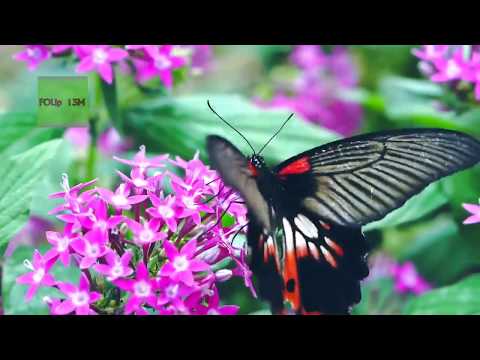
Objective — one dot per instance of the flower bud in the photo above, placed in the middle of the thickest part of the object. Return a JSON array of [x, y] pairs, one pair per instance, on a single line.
[[223, 275], [210, 255]]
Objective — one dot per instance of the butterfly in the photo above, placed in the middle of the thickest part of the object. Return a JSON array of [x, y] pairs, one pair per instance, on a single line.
[[306, 214]]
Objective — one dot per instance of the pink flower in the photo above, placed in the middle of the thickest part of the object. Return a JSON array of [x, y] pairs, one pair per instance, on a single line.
[[121, 199], [116, 266], [172, 293], [61, 243], [454, 68], [141, 289], [308, 56], [100, 59], [79, 137], [214, 308], [182, 265], [91, 246], [159, 62], [142, 162], [474, 210], [165, 209], [39, 275], [33, 55], [139, 180], [407, 279], [431, 52], [146, 233], [78, 298], [110, 142]]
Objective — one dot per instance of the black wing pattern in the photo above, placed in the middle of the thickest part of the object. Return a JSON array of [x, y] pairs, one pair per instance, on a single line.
[[233, 168], [358, 180]]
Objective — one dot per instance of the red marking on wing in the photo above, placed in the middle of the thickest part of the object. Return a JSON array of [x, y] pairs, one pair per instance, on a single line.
[[299, 166], [304, 312], [291, 272], [325, 225], [337, 248], [252, 169]]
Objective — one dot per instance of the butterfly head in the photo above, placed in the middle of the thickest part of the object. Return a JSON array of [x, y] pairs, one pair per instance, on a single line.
[[256, 163]]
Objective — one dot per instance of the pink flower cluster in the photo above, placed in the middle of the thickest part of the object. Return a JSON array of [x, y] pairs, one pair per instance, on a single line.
[[315, 92], [161, 253], [150, 61], [451, 64], [405, 276]]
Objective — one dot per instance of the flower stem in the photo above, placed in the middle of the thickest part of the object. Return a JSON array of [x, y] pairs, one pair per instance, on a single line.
[[92, 150]]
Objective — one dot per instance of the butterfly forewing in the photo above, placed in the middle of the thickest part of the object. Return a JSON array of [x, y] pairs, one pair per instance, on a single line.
[[361, 179], [233, 168]]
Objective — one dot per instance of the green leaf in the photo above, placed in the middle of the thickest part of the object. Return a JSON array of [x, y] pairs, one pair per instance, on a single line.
[[180, 125], [13, 294], [14, 126], [459, 299], [417, 207], [18, 177], [411, 102]]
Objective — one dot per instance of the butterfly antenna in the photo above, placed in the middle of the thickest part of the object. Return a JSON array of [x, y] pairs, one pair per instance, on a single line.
[[225, 121], [281, 127]]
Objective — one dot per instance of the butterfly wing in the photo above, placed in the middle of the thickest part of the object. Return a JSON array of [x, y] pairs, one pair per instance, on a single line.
[[358, 180], [233, 168]]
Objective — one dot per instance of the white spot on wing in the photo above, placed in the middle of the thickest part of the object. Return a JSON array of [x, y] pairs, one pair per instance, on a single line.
[[301, 244], [314, 250], [288, 235], [306, 226]]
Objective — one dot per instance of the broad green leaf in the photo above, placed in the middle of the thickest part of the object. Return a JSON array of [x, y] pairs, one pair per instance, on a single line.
[[459, 299], [411, 102], [14, 126], [180, 125], [14, 294], [19, 176], [417, 207], [442, 249]]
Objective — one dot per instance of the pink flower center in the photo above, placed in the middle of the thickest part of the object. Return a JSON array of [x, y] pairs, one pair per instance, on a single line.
[[33, 53], [165, 211], [117, 270], [92, 250], [38, 275], [119, 200], [453, 70], [181, 263], [142, 288], [172, 291], [162, 62], [80, 298], [409, 278], [101, 225], [63, 243], [139, 182], [146, 235], [189, 203], [99, 56]]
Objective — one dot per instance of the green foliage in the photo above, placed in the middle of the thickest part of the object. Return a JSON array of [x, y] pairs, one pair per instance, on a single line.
[[462, 298], [180, 125], [18, 177]]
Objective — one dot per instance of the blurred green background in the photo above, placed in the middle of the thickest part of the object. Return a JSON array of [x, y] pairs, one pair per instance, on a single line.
[[390, 90]]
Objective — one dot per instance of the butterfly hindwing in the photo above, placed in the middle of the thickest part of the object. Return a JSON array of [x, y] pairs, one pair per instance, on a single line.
[[323, 265], [358, 180]]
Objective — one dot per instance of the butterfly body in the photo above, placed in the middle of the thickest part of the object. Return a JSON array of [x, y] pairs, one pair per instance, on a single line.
[[305, 214]]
